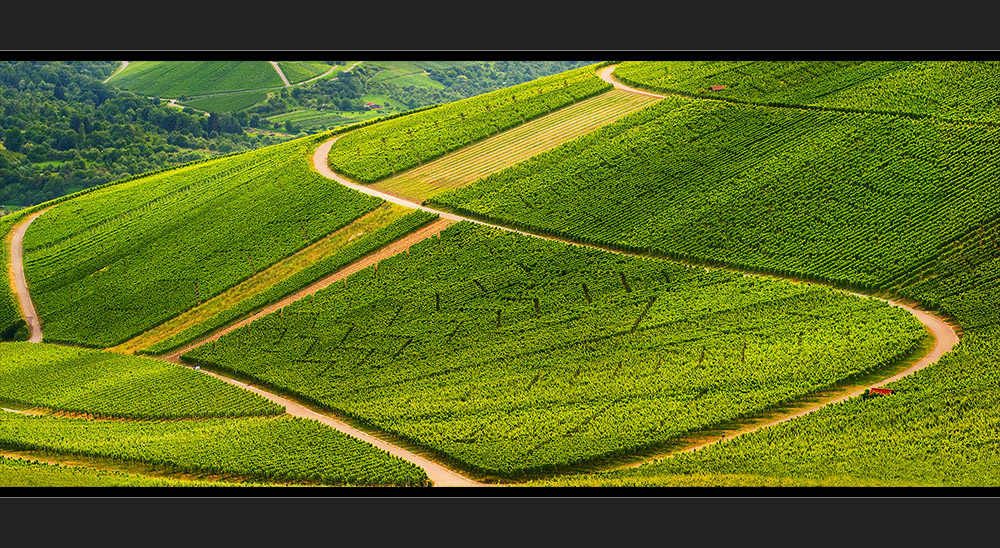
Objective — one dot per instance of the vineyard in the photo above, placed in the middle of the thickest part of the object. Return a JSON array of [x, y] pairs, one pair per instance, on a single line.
[[328, 264], [177, 78], [951, 90], [30, 473], [515, 357], [111, 264], [277, 450], [300, 71], [512, 354], [473, 162], [383, 149], [12, 325], [846, 198], [102, 384]]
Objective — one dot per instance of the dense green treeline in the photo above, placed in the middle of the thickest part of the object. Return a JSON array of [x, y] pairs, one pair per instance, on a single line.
[[63, 130], [512, 354]]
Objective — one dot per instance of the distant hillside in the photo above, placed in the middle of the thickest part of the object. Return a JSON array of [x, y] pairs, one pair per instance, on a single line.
[[63, 130]]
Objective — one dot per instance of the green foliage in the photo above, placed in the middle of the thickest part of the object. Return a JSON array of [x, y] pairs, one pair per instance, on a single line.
[[115, 385], [88, 133], [948, 90], [227, 103], [299, 71], [113, 263], [282, 449], [381, 150], [512, 354]]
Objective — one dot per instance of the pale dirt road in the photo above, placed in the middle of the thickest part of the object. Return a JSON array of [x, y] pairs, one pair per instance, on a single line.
[[605, 74], [944, 334], [439, 475], [115, 73], [393, 248], [20, 284], [282, 74]]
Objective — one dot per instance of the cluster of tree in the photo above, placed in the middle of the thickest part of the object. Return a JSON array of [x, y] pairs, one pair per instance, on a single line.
[[63, 129], [462, 81]]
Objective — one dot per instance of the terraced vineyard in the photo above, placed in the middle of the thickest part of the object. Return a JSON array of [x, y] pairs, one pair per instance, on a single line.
[[510, 147], [511, 354], [118, 261], [949, 90], [365, 235], [31, 473]]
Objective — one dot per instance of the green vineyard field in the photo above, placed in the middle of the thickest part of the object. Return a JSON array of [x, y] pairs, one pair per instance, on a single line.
[[512, 354]]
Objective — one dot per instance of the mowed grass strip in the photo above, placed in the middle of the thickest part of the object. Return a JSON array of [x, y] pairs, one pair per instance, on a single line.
[[510, 147], [369, 223]]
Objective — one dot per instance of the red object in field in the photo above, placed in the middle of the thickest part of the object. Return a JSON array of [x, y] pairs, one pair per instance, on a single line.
[[717, 88], [881, 391]]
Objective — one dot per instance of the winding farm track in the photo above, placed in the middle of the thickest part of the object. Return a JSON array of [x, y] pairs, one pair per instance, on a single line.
[[20, 284], [945, 336]]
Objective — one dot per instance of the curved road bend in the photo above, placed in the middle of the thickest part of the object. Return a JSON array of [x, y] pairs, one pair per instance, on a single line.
[[945, 336]]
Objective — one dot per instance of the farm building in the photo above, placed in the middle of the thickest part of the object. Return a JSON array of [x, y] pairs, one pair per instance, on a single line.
[[373, 106], [717, 88]]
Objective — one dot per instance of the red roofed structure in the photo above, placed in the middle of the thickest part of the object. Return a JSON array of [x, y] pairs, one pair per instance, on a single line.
[[717, 88]]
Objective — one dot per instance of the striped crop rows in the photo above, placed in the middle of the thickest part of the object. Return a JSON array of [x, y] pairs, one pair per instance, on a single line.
[[109, 265], [513, 354], [838, 197], [280, 449], [383, 149], [112, 385]]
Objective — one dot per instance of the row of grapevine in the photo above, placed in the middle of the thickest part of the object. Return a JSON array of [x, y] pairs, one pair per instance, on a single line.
[[964, 91], [111, 264], [326, 266], [113, 385], [512, 354], [279, 449], [836, 197], [381, 150]]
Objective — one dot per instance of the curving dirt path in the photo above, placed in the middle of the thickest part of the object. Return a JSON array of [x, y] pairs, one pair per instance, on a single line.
[[393, 248], [20, 284], [945, 336], [439, 475]]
